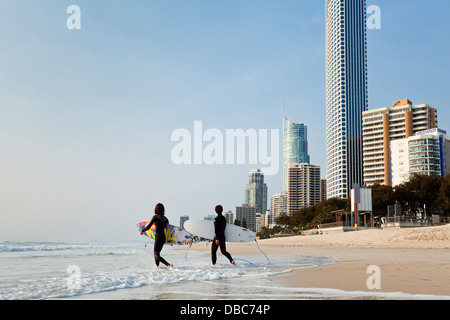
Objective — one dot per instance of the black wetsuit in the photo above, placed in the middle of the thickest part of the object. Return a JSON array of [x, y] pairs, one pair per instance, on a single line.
[[220, 224], [160, 223]]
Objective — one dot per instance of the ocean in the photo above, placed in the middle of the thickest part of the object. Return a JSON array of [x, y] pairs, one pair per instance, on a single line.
[[43, 270]]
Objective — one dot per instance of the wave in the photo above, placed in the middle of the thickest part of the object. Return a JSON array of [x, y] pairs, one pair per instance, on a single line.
[[100, 282], [112, 273], [203, 280], [7, 246]]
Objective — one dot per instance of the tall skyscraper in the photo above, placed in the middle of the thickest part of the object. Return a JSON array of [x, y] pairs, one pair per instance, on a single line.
[[346, 93], [295, 146], [256, 191]]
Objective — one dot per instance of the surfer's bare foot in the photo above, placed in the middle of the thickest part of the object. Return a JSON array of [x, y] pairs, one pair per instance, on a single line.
[[170, 265], [232, 262]]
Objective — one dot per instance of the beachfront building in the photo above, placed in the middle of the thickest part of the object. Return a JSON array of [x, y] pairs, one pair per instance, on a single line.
[[268, 219], [323, 190], [260, 221], [346, 93], [246, 216], [278, 203], [256, 191], [427, 152], [229, 217], [385, 125], [303, 186]]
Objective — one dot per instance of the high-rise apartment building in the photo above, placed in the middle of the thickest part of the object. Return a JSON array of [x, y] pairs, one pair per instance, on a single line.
[[346, 93], [427, 152], [260, 221], [229, 217], [295, 146], [246, 216], [278, 204], [323, 190], [385, 125], [256, 191], [304, 186]]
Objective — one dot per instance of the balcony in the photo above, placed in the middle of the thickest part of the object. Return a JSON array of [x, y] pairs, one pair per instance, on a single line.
[[423, 169], [418, 163], [416, 150], [425, 156], [424, 143]]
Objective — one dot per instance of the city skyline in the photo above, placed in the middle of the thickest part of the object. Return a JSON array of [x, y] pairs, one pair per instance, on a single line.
[[87, 114]]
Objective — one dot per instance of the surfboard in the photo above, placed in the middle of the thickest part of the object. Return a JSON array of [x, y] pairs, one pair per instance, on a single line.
[[174, 234], [205, 229]]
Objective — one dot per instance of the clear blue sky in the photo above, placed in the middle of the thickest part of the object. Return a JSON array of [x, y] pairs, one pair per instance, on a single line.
[[86, 115]]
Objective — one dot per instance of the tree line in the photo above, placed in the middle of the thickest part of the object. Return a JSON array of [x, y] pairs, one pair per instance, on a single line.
[[421, 194]]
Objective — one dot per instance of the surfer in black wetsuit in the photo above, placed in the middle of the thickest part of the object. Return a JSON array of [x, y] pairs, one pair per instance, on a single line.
[[220, 224], [160, 222]]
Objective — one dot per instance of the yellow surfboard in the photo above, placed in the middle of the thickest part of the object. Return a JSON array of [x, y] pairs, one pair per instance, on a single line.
[[174, 235]]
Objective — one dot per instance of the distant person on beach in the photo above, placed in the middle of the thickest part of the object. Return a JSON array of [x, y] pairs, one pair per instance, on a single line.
[[220, 223], [160, 222]]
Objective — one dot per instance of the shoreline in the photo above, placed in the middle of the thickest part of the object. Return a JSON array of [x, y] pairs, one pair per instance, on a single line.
[[412, 261]]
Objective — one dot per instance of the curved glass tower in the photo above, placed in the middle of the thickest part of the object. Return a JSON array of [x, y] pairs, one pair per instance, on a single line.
[[295, 146], [346, 93]]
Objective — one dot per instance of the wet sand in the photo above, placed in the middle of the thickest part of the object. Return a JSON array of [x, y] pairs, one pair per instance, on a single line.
[[415, 261]]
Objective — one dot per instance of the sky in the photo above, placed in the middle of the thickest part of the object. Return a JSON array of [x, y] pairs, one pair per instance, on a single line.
[[86, 116]]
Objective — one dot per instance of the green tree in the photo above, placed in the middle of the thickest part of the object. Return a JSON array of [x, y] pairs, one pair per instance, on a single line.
[[418, 192], [283, 219], [264, 233], [314, 215], [244, 223], [404, 195], [428, 192], [382, 196], [444, 195]]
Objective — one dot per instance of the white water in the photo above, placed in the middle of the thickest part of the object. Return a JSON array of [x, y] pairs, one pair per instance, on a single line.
[[127, 271]]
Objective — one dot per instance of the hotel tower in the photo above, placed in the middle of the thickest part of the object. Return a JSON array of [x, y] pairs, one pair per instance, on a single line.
[[383, 128], [346, 93], [295, 146]]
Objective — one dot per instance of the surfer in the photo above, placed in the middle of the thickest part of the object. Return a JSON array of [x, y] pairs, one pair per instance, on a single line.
[[220, 224], [160, 222]]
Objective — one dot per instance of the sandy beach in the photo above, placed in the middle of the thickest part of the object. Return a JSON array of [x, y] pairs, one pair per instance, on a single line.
[[415, 260]]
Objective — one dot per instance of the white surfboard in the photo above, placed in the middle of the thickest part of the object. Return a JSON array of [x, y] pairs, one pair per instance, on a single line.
[[205, 229]]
